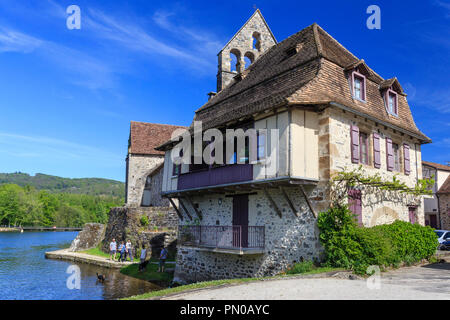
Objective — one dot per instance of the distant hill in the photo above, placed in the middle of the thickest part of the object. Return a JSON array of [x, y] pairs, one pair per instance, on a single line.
[[90, 186]]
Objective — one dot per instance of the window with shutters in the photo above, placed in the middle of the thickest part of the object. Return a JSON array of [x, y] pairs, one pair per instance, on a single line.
[[376, 151], [396, 154], [363, 148], [406, 159], [354, 136]]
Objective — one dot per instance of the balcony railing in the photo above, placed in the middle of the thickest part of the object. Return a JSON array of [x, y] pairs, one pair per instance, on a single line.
[[223, 237], [216, 176]]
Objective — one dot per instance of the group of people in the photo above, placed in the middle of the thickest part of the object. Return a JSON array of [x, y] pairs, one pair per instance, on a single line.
[[127, 250], [124, 250]]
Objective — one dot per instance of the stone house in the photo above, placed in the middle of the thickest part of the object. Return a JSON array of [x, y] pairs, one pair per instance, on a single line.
[[144, 164], [443, 195], [332, 113], [433, 211], [144, 177]]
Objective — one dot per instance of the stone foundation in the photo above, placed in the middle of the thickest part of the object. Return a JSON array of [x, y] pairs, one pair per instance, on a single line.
[[288, 239]]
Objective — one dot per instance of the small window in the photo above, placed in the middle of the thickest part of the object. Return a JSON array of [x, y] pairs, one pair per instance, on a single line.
[[177, 167], [261, 145], [392, 102], [364, 148], [146, 196], [359, 86], [396, 152]]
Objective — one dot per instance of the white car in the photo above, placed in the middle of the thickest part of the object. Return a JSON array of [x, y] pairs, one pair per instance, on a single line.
[[443, 235]]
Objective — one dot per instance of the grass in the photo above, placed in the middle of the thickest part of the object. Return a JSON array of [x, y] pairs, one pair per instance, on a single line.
[[308, 267], [99, 253], [215, 283], [150, 273], [96, 252]]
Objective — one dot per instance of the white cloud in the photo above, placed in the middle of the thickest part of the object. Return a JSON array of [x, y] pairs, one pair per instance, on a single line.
[[445, 6], [437, 99], [22, 146], [14, 41], [84, 69], [131, 36]]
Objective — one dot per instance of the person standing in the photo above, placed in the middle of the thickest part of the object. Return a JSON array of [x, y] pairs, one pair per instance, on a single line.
[[143, 257], [123, 251], [162, 259], [112, 249], [129, 250]]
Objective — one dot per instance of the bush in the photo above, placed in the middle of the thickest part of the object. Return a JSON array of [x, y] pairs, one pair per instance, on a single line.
[[144, 221], [352, 247]]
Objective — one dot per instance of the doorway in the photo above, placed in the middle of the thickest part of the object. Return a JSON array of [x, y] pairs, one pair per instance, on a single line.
[[240, 221]]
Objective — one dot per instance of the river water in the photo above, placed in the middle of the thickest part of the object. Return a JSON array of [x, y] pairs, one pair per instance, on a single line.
[[26, 274]]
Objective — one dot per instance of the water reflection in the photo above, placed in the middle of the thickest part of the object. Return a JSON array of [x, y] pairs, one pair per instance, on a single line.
[[26, 274], [116, 285]]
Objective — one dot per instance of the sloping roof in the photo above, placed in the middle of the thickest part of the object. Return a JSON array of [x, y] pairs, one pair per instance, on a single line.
[[314, 75], [145, 137], [445, 188], [437, 166]]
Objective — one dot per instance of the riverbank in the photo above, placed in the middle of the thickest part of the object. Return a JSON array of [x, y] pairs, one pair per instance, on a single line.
[[65, 254], [96, 257], [9, 230]]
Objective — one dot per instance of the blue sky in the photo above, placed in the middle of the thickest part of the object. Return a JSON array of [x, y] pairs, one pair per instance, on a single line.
[[67, 96]]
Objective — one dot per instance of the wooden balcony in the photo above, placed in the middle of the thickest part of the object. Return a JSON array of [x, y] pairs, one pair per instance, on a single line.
[[216, 176]]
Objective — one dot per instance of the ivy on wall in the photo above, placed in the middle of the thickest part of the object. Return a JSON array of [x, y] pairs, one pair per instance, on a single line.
[[345, 180]]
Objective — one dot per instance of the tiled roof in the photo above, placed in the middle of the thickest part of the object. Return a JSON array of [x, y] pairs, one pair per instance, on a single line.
[[145, 137], [312, 74], [445, 188], [437, 166]]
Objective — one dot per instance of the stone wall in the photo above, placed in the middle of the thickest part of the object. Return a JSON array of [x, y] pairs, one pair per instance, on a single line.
[[288, 240], [444, 207], [139, 167], [90, 237], [125, 224], [377, 207]]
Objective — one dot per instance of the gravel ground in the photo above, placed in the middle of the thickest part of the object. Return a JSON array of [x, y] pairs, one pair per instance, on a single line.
[[431, 282]]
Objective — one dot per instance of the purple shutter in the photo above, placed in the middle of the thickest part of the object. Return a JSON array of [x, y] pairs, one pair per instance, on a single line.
[[406, 159], [389, 155], [354, 133], [376, 151]]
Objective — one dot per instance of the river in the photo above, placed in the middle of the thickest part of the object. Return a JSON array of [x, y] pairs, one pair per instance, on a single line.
[[25, 273]]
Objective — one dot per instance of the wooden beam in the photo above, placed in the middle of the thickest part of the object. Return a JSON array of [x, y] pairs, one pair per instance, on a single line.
[[308, 202], [176, 209], [274, 205], [197, 212], [184, 208], [283, 192]]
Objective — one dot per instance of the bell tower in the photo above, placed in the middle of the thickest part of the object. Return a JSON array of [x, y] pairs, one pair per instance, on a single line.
[[250, 42]]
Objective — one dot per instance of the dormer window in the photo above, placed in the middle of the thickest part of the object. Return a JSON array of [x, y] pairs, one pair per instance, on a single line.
[[359, 86], [391, 101], [390, 90]]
